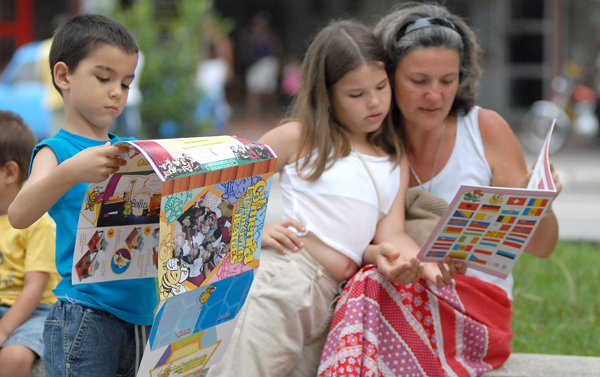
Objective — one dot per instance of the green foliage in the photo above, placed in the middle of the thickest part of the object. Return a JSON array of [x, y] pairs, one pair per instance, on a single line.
[[556, 301], [170, 36]]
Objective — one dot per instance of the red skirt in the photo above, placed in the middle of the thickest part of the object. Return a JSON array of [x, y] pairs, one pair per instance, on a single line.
[[384, 329]]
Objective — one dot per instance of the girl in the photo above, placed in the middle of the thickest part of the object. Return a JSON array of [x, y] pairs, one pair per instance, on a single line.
[[343, 182]]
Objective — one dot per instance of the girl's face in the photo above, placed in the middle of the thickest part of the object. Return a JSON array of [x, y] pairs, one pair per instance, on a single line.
[[361, 99], [425, 85]]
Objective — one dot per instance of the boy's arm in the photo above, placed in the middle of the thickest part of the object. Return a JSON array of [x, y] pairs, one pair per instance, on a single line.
[[49, 180], [29, 298]]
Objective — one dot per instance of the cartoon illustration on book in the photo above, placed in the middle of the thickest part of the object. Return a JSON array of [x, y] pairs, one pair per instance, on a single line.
[[190, 213], [489, 227]]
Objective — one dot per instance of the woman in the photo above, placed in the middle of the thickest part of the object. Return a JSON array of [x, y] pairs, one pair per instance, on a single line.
[[463, 328]]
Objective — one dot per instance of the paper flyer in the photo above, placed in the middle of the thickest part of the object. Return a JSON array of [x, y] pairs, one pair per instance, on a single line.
[[489, 227], [190, 213]]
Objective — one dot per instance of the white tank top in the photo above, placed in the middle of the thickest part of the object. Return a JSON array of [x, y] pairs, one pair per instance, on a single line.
[[467, 166], [341, 207]]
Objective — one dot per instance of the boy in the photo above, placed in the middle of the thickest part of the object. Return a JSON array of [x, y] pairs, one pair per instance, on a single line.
[[96, 329], [27, 272]]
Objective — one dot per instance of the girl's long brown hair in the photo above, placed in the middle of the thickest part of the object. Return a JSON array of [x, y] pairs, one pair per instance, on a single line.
[[338, 49]]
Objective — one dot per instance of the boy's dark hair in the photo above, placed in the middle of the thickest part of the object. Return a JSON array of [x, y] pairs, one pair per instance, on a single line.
[[16, 142], [77, 38]]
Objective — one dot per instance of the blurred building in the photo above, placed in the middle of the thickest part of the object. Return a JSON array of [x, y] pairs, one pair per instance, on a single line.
[[23, 21], [525, 42]]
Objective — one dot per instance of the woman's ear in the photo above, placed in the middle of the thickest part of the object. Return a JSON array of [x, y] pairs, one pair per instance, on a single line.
[[61, 75]]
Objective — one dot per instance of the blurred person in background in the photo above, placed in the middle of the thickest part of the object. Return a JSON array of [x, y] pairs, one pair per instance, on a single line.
[[262, 76]]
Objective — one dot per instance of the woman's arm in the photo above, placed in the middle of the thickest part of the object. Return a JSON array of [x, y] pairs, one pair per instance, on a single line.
[[504, 155]]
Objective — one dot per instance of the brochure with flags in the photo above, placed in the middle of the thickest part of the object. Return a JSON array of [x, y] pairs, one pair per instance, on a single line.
[[190, 213], [488, 228]]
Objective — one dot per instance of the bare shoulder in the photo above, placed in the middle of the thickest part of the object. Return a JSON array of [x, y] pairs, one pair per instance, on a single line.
[[502, 149], [285, 141], [43, 163], [496, 133]]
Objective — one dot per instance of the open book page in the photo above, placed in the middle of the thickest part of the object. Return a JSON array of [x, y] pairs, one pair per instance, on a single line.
[[189, 212], [489, 227]]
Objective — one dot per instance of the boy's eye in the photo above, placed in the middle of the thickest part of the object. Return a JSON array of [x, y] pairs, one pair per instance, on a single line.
[[102, 79], [355, 95], [382, 86], [125, 86]]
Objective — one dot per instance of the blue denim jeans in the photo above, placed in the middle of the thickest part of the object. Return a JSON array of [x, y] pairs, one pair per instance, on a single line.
[[81, 341]]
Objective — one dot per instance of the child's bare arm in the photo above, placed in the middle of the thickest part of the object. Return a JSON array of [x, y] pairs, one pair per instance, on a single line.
[[49, 181], [30, 297]]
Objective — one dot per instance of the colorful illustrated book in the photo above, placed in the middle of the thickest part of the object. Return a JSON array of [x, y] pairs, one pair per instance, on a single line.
[[190, 213], [489, 227]]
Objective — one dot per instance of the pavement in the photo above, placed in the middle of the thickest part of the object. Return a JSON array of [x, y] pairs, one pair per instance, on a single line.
[[577, 164]]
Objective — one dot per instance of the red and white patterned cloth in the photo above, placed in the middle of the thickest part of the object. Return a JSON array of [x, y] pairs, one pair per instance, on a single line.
[[384, 329]]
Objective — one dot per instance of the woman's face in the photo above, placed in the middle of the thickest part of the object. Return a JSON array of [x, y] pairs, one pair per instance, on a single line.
[[425, 85]]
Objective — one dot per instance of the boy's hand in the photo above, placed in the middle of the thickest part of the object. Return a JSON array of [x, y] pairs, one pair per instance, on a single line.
[[279, 237], [394, 267], [95, 164], [441, 274]]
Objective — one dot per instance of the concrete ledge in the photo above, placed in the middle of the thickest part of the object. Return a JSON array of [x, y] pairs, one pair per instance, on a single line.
[[518, 365], [533, 365]]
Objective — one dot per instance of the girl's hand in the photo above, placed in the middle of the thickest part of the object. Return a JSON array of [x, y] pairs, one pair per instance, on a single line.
[[394, 267], [441, 274], [279, 237]]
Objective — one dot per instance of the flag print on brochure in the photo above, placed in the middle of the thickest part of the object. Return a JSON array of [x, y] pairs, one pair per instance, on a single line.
[[489, 227]]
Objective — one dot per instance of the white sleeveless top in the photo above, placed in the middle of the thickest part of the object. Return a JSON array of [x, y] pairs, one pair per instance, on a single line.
[[341, 207], [467, 166]]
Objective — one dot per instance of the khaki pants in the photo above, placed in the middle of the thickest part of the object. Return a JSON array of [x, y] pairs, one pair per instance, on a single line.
[[284, 323]]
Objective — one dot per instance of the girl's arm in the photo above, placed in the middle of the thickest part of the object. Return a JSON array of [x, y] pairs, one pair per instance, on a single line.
[[284, 141], [391, 237], [393, 251], [504, 155]]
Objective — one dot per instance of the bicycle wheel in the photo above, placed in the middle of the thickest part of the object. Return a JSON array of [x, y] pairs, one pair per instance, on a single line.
[[536, 124]]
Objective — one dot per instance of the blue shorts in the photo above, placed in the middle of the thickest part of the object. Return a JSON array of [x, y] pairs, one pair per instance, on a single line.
[[29, 334], [82, 341]]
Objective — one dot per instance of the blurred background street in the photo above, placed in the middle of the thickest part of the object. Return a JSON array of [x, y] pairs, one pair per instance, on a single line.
[[232, 67]]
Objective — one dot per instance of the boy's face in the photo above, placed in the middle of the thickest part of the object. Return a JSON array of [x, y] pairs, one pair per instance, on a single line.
[[98, 88]]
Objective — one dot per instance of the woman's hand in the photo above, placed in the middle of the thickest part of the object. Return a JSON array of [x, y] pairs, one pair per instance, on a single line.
[[394, 267], [555, 178], [280, 237], [441, 274]]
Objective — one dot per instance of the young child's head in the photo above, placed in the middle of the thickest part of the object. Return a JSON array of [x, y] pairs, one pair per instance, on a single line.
[[16, 144], [341, 48], [79, 37]]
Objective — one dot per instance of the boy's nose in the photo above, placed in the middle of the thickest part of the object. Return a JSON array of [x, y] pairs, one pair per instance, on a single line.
[[116, 92]]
